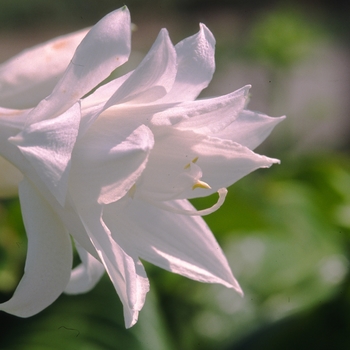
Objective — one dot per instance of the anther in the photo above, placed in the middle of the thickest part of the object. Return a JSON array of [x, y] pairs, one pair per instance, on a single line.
[[201, 184]]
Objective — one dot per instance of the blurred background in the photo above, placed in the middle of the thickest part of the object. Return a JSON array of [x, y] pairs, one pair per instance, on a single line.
[[285, 230]]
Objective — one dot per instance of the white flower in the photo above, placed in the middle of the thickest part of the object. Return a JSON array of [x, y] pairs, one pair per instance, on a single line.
[[115, 169]]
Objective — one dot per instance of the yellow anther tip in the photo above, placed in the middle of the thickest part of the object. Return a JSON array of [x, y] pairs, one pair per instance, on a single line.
[[188, 165], [201, 184]]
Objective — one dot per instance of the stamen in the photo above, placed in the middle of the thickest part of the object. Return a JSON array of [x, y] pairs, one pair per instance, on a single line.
[[194, 160], [201, 184], [222, 195]]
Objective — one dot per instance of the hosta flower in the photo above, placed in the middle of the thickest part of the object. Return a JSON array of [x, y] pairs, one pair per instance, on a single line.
[[114, 170]]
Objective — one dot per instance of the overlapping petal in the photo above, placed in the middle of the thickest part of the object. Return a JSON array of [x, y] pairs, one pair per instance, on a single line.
[[194, 69], [178, 243], [176, 152], [105, 47], [48, 146], [150, 81], [85, 276], [24, 85], [126, 273], [49, 256], [108, 163], [153, 78], [250, 129], [196, 66], [204, 116]]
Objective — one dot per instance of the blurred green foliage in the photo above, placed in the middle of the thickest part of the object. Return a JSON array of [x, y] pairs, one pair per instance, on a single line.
[[12, 244], [282, 37], [87, 322]]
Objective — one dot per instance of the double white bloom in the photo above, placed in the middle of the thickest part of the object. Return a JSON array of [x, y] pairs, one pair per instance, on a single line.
[[114, 170]]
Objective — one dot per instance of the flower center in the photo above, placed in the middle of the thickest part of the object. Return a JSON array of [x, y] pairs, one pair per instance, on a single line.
[[191, 178]]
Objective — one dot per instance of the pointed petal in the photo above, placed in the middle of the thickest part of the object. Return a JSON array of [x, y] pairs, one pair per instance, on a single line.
[[49, 256], [150, 81], [204, 116], [108, 162], [48, 146], [105, 47], [250, 129], [153, 78], [196, 65], [178, 243], [31, 75], [224, 162], [126, 273], [86, 275], [180, 158]]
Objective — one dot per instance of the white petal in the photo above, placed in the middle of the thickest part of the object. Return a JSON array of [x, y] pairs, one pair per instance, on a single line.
[[31, 75], [204, 116], [124, 116], [67, 213], [250, 129], [178, 243], [86, 275], [49, 256], [48, 146], [224, 162], [11, 122], [196, 65], [14, 119], [108, 163], [104, 92], [153, 78], [169, 168], [126, 273], [95, 104], [73, 223], [105, 47], [149, 82]]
